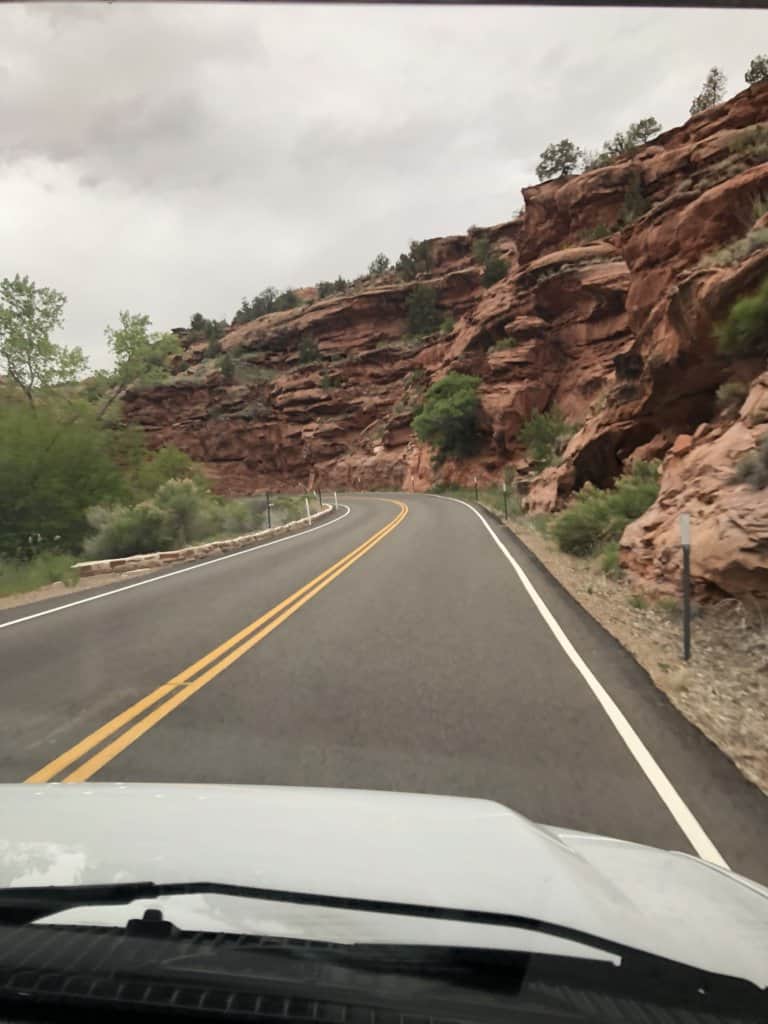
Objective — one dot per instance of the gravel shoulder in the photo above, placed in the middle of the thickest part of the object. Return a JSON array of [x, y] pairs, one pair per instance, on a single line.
[[64, 590], [722, 690]]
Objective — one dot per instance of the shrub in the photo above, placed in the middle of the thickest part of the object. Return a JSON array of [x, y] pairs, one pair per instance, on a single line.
[[595, 233], [423, 314], [730, 394], [753, 468], [446, 324], [448, 417], [418, 260], [121, 531], [16, 577], [596, 517], [495, 269], [481, 248], [544, 435], [609, 561], [635, 201], [737, 251], [309, 350], [226, 367], [379, 265], [744, 332], [751, 141], [558, 160], [324, 289]]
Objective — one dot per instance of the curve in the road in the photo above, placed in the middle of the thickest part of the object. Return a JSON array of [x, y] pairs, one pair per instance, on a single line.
[[174, 572], [165, 698]]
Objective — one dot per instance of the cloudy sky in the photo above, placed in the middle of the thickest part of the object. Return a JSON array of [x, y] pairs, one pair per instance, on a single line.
[[173, 158]]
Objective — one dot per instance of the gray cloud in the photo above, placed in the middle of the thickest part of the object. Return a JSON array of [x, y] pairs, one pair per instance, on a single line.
[[169, 158]]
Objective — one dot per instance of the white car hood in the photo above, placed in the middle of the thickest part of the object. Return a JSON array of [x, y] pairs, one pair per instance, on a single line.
[[407, 848]]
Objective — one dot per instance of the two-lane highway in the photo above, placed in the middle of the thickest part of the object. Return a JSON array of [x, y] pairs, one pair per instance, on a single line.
[[407, 644]]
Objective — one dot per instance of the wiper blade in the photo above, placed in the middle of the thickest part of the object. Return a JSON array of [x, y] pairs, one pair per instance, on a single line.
[[22, 905]]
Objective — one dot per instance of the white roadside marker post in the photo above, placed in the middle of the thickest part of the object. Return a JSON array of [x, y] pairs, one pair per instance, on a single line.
[[685, 541], [309, 514]]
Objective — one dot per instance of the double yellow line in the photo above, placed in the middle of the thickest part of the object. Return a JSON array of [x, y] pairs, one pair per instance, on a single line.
[[150, 710]]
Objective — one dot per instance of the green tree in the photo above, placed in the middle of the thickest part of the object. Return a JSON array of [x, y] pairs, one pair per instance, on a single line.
[[712, 91], [495, 269], [286, 300], [543, 435], [447, 419], [151, 471], [141, 356], [758, 69], [558, 160], [52, 469], [423, 315], [324, 289], [309, 350], [30, 359], [379, 265], [643, 131], [226, 366], [418, 260]]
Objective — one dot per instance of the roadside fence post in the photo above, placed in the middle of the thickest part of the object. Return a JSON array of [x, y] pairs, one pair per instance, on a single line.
[[685, 540], [269, 512], [319, 497], [309, 514], [335, 499], [506, 505], [475, 488]]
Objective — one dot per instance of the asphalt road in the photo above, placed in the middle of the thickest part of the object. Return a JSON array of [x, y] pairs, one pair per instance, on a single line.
[[423, 663]]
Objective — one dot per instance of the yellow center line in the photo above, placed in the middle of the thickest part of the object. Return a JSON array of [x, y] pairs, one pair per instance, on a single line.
[[246, 639]]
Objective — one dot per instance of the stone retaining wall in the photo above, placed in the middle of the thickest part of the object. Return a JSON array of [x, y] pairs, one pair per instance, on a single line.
[[158, 559]]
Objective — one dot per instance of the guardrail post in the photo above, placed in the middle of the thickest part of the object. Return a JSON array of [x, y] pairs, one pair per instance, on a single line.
[[335, 499], [309, 514]]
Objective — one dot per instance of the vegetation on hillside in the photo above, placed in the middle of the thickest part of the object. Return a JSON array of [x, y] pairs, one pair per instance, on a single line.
[[544, 436], [597, 517], [447, 419], [744, 331]]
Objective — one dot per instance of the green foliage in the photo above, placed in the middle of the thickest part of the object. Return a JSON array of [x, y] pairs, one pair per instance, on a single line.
[[712, 91], [623, 144], [203, 329], [325, 382], [446, 324], [757, 70], [730, 394], [596, 233], [152, 471], [753, 468], [28, 357], [423, 314], [309, 350], [481, 248], [637, 601], [744, 332], [495, 269], [596, 517], [141, 356], [729, 255], [226, 367], [544, 436], [324, 289], [418, 260], [17, 577], [635, 201], [448, 417], [609, 560], [558, 160], [379, 265], [54, 464], [269, 300], [751, 142]]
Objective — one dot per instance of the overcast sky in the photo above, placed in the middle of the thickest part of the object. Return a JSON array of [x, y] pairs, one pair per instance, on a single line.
[[170, 159]]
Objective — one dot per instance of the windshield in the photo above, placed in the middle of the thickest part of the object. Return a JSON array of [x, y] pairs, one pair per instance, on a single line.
[[384, 503]]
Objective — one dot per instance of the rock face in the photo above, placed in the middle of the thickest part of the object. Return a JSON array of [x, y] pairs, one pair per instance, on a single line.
[[606, 311]]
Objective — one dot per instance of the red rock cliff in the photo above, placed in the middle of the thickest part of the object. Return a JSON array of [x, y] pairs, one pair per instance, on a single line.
[[606, 311]]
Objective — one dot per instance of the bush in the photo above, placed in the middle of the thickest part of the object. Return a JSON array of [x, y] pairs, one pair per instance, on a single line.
[[418, 260], [596, 233], [558, 160], [744, 332], [753, 468], [758, 69], [168, 463], [495, 269], [226, 367], [446, 324], [730, 394], [481, 249], [379, 265], [309, 350], [596, 517], [17, 577], [712, 91], [609, 561], [423, 314], [737, 251], [635, 201], [121, 531], [544, 436], [448, 418]]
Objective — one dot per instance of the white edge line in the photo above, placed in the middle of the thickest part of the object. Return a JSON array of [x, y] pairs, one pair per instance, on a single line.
[[177, 572], [674, 803]]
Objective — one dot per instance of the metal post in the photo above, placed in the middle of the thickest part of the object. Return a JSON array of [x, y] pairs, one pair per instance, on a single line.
[[685, 537], [309, 514], [475, 488], [506, 506], [320, 497], [335, 500], [269, 512]]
